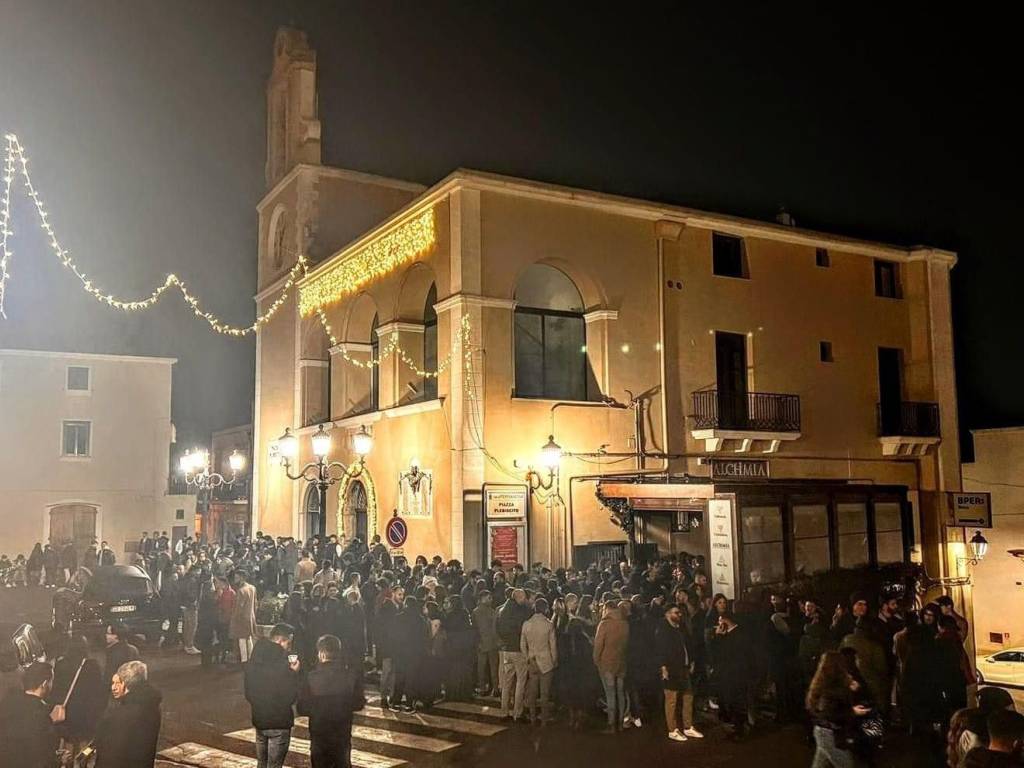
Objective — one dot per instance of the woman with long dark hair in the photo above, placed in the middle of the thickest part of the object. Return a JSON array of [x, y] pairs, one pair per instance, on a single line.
[[834, 712]]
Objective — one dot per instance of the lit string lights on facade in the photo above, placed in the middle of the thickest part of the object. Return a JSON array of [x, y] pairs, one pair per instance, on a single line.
[[14, 152], [392, 347], [402, 244]]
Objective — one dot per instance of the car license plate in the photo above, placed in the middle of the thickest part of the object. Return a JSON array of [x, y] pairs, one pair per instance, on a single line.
[[122, 608]]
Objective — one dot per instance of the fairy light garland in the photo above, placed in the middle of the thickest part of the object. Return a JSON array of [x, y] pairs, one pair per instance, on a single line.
[[402, 244], [15, 152], [392, 347]]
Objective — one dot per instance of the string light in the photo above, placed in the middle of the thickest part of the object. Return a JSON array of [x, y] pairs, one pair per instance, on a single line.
[[403, 243], [15, 152], [392, 347]]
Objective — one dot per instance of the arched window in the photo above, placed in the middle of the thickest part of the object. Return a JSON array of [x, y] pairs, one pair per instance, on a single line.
[[314, 516], [277, 243], [430, 344], [375, 367], [356, 506], [550, 336]]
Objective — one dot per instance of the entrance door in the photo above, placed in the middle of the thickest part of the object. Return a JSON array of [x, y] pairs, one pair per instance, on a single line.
[[890, 389], [75, 523], [658, 531], [731, 369], [357, 506], [314, 516]]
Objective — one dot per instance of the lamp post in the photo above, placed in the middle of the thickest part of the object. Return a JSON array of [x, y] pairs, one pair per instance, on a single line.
[[550, 459], [977, 547], [195, 466], [323, 473]]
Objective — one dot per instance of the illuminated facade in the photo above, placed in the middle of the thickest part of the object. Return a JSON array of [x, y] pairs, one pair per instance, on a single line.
[[829, 358]]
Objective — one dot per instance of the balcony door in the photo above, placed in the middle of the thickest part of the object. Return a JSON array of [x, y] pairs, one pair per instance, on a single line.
[[890, 389], [731, 370]]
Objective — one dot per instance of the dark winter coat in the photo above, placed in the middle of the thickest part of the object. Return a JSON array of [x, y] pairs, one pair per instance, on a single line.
[[673, 655], [271, 687], [27, 737], [332, 692], [118, 654], [88, 699], [509, 623], [732, 672], [128, 732]]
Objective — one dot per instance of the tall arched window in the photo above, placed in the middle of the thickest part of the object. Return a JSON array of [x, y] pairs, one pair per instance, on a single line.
[[550, 336], [375, 367], [314, 516], [430, 344]]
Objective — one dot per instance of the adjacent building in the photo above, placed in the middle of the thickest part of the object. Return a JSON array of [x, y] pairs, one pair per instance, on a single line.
[[86, 450], [998, 580], [779, 400]]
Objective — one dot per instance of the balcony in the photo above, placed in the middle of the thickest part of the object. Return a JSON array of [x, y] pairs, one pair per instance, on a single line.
[[745, 422], [908, 428]]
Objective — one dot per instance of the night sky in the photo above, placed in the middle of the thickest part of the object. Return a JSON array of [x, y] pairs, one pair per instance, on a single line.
[[145, 122]]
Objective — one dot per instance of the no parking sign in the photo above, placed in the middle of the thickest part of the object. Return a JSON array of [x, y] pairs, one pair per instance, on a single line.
[[396, 532]]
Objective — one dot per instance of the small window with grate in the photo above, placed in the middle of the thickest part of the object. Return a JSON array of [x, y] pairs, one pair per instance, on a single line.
[[825, 351], [729, 256], [821, 257]]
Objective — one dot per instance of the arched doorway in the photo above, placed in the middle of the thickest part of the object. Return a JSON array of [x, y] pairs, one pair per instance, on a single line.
[[314, 515], [356, 507], [73, 523]]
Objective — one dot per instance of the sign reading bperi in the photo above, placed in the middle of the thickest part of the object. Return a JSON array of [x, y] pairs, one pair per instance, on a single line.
[[739, 469], [970, 508]]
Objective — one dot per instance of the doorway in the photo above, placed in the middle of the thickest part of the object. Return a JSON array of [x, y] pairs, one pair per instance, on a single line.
[[890, 390], [73, 523], [356, 508], [731, 371], [314, 515]]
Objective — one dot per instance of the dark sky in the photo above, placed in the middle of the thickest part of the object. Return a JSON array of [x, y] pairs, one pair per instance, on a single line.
[[145, 124]]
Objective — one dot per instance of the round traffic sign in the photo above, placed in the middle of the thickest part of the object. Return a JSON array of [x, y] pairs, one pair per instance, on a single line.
[[396, 532]]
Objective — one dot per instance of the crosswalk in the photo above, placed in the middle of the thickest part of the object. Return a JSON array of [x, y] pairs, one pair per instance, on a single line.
[[381, 738]]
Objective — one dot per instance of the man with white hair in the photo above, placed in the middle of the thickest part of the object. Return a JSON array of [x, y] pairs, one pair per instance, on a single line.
[[128, 733]]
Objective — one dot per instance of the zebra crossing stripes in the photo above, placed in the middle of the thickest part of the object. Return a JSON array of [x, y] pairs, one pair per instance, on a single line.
[[393, 738], [455, 725], [202, 756], [360, 759], [462, 707]]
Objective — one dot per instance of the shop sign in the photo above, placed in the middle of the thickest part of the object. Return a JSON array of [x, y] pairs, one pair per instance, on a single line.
[[970, 509], [739, 469], [723, 555], [505, 502]]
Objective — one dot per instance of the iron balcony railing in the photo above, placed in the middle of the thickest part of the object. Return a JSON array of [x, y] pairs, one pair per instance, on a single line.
[[753, 411], [905, 419]]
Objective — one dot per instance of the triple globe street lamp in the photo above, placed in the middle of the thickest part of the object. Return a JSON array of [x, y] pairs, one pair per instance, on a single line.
[[323, 473], [195, 466]]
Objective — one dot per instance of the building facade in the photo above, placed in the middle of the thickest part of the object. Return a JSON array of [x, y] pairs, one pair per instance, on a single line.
[[649, 341], [998, 580], [86, 451]]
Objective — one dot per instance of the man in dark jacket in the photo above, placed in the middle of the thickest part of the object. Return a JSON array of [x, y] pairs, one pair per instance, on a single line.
[[119, 650], [731, 653], [271, 687], [332, 693], [509, 623], [670, 647], [28, 738], [1006, 737], [128, 732]]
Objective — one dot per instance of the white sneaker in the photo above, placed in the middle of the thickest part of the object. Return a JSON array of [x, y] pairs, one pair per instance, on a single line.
[[636, 722], [676, 735], [627, 722], [712, 704], [193, 651], [693, 733]]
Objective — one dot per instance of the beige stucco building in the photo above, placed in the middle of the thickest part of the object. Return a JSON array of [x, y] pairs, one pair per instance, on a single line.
[[824, 362], [85, 450], [998, 580]]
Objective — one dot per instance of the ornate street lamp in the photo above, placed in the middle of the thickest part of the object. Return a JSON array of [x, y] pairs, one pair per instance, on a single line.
[[195, 466], [550, 458], [323, 473], [978, 546]]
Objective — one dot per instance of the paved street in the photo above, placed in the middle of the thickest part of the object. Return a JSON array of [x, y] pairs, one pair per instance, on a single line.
[[206, 724]]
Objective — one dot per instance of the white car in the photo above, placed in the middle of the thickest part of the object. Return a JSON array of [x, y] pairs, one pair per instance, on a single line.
[[1002, 668]]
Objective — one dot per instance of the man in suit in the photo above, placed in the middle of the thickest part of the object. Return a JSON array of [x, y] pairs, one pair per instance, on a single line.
[[540, 647]]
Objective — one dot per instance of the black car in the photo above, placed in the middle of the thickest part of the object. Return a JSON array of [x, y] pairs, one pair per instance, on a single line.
[[108, 594]]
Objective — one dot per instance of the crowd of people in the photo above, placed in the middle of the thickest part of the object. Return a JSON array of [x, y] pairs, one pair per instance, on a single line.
[[646, 647]]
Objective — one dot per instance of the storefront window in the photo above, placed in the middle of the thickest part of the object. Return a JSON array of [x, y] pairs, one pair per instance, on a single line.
[[810, 539], [852, 523], [888, 532], [763, 552]]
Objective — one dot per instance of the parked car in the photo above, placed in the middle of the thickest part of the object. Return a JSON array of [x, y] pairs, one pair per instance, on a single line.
[[107, 594], [1002, 668]]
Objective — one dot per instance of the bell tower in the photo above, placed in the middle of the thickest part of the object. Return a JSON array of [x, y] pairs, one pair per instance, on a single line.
[[293, 126]]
